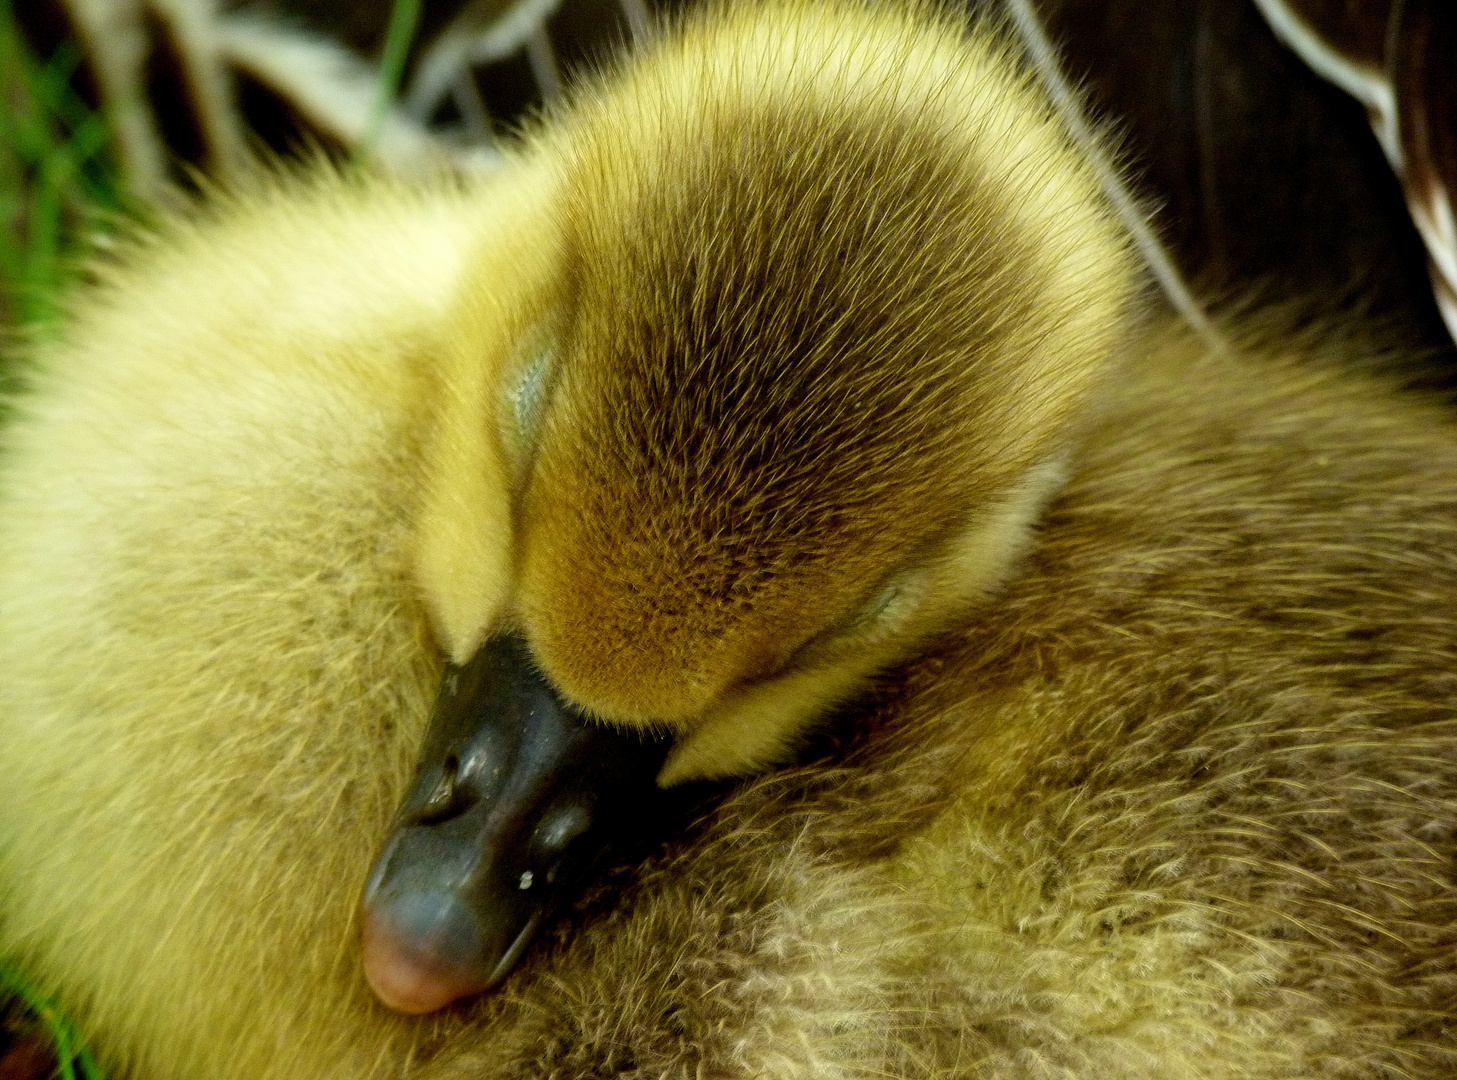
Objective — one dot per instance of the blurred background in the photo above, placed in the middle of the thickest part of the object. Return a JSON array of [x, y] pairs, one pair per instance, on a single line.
[[1267, 179], [1294, 152]]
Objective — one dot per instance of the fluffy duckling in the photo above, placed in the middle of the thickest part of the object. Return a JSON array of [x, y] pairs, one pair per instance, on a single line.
[[743, 476], [778, 387]]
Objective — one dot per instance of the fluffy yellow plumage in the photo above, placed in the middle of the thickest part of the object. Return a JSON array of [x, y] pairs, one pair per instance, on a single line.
[[793, 355]]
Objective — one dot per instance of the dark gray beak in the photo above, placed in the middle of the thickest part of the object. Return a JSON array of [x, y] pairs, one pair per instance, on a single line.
[[517, 798]]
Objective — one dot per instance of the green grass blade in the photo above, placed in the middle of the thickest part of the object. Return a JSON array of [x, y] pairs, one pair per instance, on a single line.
[[404, 18], [71, 1053]]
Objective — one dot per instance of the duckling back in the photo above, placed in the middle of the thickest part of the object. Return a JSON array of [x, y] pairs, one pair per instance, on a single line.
[[216, 669]]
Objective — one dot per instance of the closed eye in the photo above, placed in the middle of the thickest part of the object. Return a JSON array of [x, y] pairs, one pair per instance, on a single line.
[[878, 610], [527, 396], [886, 609]]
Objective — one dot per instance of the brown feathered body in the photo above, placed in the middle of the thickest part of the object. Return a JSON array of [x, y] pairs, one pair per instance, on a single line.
[[1179, 803], [780, 394]]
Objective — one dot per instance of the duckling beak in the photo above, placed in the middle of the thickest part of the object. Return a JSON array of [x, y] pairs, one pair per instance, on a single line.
[[516, 799]]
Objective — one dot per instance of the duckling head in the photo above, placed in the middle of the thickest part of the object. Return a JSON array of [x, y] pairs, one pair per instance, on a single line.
[[833, 288], [763, 380]]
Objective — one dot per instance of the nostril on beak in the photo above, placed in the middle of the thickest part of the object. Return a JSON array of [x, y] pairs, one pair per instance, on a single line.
[[446, 800]]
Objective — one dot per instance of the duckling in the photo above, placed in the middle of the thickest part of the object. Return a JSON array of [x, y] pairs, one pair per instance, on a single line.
[[777, 396], [785, 182]]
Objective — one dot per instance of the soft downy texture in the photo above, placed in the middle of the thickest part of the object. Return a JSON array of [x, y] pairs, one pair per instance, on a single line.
[[1171, 798], [1178, 804]]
